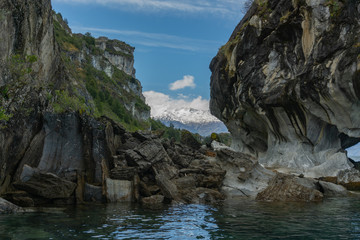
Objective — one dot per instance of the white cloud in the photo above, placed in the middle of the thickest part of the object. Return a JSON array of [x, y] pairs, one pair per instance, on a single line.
[[222, 7], [161, 103], [187, 81], [155, 39]]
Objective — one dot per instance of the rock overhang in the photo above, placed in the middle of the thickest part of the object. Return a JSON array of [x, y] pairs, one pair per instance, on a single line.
[[287, 82]]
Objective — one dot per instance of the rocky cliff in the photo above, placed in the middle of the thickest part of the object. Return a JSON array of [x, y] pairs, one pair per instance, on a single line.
[[68, 102], [287, 84], [53, 87]]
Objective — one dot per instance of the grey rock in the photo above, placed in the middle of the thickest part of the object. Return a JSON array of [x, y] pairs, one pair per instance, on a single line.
[[93, 193], [208, 196], [123, 173], [27, 173], [8, 207], [287, 88], [349, 176], [153, 202], [333, 190], [168, 188], [152, 151], [136, 160], [185, 182], [47, 185], [245, 177], [288, 188], [188, 139], [20, 198]]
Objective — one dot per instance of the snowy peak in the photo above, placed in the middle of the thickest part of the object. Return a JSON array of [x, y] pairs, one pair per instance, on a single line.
[[187, 115]]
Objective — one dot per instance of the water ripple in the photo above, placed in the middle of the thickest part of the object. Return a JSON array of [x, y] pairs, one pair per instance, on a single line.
[[236, 219]]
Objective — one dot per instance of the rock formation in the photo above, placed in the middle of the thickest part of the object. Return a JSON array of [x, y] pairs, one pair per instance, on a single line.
[[75, 159], [54, 146], [291, 103], [287, 85]]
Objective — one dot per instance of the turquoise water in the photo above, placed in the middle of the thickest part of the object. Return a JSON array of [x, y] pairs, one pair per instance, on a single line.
[[236, 219]]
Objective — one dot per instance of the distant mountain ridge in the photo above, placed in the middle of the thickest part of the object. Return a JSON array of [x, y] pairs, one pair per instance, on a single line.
[[193, 120]]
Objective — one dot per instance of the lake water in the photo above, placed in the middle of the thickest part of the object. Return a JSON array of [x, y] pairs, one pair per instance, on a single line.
[[235, 219]]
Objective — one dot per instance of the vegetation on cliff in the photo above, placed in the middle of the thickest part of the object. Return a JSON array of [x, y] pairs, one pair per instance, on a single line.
[[110, 93]]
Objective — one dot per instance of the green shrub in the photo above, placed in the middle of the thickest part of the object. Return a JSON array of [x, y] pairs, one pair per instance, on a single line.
[[65, 102], [3, 115], [335, 7]]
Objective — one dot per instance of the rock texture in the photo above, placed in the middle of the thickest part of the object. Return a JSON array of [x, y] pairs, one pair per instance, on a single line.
[[288, 188], [8, 207], [27, 28], [119, 54], [287, 85], [73, 158], [54, 145]]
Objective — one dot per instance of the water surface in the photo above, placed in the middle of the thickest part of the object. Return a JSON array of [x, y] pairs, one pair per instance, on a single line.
[[235, 219]]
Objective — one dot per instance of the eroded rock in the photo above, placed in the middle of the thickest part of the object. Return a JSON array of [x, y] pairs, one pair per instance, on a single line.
[[287, 85], [8, 207], [47, 185], [289, 188]]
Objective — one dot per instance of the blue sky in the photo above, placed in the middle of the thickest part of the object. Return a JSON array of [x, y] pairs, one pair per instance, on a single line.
[[174, 40]]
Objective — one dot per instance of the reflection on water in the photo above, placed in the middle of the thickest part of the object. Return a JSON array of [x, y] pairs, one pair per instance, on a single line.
[[236, 219]]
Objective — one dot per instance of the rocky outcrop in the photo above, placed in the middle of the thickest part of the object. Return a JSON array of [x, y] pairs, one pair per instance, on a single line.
[[47, 186], [245, 177], [118, 53], [288, 188], [287, 85], [72, 158], [26, 28], [53, 144], [8, 207]]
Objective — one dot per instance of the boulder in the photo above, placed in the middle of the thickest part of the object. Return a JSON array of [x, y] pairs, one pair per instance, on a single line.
[[93, 193], [208, 196], [188, 182], [332, 190], [119, 190], [152, 151], [133, 159], [8, 207], [123, 173], [349, 178], [244, 177], [153, 202], [289, 188], [168, 188], [47, 185], [20, 198], [188, 140]]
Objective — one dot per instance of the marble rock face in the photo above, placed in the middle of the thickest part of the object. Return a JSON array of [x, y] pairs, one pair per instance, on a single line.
[[287, 85]]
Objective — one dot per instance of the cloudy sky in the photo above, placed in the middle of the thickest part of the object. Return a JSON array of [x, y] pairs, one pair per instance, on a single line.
[[174, 40]]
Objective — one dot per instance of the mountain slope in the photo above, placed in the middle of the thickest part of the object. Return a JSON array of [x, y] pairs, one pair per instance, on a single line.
[[105, 76]]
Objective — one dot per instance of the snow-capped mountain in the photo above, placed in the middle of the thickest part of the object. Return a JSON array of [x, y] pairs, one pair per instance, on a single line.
[[193, 120], [187, 115], [190, 114]]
